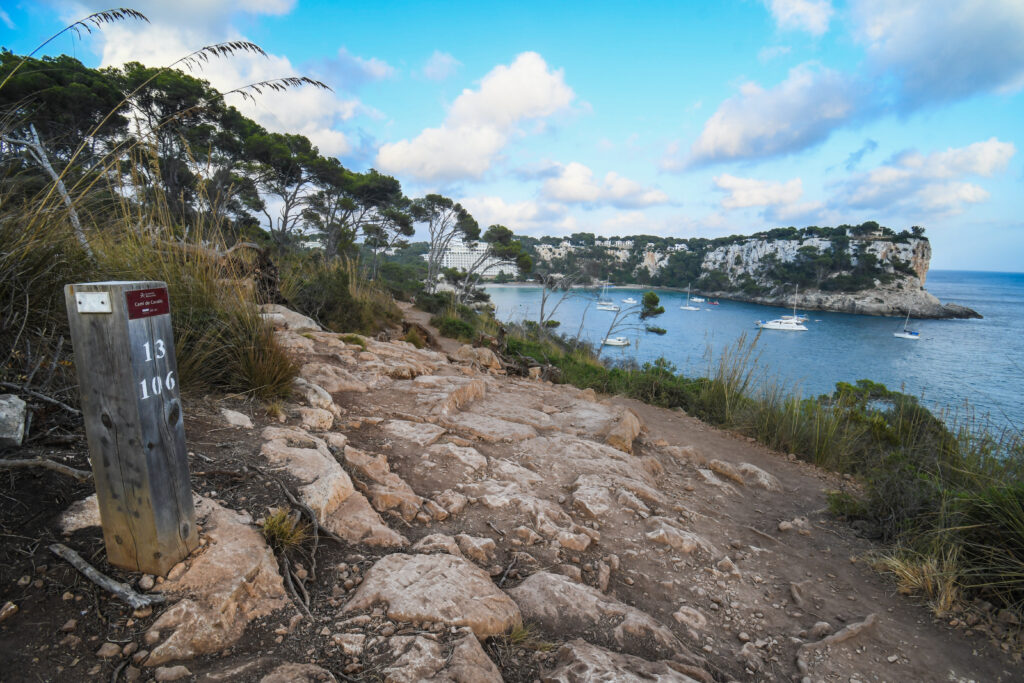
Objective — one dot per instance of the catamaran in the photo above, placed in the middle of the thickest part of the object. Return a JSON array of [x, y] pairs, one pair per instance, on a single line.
[[906, 333], [787, 323], [688, 306]]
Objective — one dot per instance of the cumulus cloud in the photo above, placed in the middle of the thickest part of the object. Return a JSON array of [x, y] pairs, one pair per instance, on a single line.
[[525, 216], [812, 16], [747, 192], [798, 113], [575, 184], [181, 27], [943, 50], [480, 122], [933, 183], [440, 66]]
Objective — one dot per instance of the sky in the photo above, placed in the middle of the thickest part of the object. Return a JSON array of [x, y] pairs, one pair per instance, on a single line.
[[685, 119]]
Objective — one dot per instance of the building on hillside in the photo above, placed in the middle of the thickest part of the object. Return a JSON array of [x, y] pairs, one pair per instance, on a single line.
[[462, 256]]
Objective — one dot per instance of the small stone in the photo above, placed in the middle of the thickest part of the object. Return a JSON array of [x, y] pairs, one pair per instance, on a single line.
[[147, 582], [892, 659], [171, 673], [176, 571], [143, 612], [629, 581], [108, 650], [24, 581], [132, 674], [129, 649], [139, 657], [743, 636], [785, 526], [151, 638], [69, 625]]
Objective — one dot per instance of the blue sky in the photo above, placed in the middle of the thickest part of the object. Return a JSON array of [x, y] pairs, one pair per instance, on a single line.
[[670, 118]]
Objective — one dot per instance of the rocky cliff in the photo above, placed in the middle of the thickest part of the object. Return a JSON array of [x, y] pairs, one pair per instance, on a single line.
[[896, 270]]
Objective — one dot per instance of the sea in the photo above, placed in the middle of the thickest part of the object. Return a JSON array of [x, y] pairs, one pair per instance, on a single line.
[[967, 370]]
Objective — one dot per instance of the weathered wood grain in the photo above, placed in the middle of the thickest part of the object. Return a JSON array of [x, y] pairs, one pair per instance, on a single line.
[[135, 429]]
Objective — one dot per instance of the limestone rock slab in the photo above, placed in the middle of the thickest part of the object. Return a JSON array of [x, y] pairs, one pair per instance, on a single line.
[[284, 318], [490, 429], [308, 459], [580, 662], [562, 606], [420, 433], [422, 659], [232, 580], [624, 432], [357, 522], [331, 377], [436, 588]]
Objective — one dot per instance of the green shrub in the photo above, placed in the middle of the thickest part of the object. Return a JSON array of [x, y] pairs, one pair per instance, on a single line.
[[414, 337], [455, 328], [335, 294], [354, 340]]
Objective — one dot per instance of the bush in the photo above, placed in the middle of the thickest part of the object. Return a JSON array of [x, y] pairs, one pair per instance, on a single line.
[[414, 337], [334, 294], [455, 328]]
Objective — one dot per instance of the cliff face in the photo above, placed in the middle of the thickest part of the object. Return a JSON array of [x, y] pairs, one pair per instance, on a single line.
[[901, 265], [750, 257]]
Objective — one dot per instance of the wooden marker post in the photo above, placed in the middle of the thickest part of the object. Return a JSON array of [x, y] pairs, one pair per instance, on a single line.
[[128, 378]]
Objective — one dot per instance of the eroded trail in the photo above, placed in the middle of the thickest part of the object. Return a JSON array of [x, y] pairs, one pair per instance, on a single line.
[[639, 542]]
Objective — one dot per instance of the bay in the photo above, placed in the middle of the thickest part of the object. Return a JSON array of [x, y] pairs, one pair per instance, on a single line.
[[966, 369]]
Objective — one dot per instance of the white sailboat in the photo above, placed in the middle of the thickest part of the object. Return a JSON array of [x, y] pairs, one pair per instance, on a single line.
[[688, 306], [604, 303], [907, 333], [787, 323]]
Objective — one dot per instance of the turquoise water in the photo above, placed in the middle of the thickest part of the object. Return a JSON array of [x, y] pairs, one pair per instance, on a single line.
[[954, 363]]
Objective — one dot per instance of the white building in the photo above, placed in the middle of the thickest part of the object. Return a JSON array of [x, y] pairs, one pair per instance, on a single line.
[[461, 256]]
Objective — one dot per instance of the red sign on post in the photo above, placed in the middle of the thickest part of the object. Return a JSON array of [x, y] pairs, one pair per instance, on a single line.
[[143, 303]]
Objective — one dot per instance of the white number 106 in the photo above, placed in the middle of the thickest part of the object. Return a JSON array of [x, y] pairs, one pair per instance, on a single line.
[[156, 385]]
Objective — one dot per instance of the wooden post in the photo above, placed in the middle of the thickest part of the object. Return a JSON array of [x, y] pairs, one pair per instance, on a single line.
[[128, 378]]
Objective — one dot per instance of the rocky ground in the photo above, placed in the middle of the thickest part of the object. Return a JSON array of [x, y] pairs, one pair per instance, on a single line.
[[474, 527]]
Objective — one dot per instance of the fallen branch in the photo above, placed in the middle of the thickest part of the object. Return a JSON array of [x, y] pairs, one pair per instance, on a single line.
[[41, 397], [80, 475], [120, 590]]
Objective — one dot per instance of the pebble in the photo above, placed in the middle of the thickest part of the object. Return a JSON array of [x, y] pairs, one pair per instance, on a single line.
[[108, 650], [129, 649], [892, 659], [743, 636], [69, 625], [147, 582], [171, 673], [139, 657], [24, 581]]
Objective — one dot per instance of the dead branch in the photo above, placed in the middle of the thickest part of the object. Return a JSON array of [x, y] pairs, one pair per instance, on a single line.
[[120, 590], [41, 397], [80, 475]]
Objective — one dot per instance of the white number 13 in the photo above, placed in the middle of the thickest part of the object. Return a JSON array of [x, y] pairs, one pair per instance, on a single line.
[[161, 350]]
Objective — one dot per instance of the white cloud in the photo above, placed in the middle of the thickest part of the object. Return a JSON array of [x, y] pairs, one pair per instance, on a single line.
[[767, 54], [480, 122], [801, 15], [6, 19], [575, 184], [440, 66], [943, 50], [182, 27], [747, 192], [350, 70], [525, 216], [932, 183], [798, 113]]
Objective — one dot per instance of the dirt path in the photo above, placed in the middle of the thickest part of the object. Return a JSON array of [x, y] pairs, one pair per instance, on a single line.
[[634, 543]]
